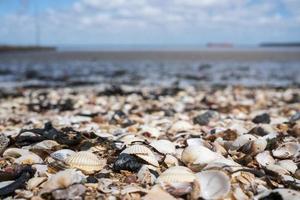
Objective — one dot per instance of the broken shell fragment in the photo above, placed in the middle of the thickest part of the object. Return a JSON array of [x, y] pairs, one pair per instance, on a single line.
[[85, 161], [62, 154], [163, 146], [213, 184], [142, 152], [265, 158], [62, 179], [180, 126], [286, 150], [4, 141], [289, 165], [22, 156]]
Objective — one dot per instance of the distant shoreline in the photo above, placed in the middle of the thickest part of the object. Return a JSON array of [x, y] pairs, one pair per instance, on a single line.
[[8, 48], [271, 44]]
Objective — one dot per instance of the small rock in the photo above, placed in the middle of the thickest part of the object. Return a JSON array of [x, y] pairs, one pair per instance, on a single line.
[[263, 119], [295, 117], [204, 119]]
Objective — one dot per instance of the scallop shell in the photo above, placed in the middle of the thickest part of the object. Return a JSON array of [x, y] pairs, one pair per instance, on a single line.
[[62, 179], [265, 158], [213, 184], [163, 146], [85, 161], [170, 161], [177, 180], [62, 154], [142, 152], [4, 141], [199, 155], [22, 156], [286, 150]]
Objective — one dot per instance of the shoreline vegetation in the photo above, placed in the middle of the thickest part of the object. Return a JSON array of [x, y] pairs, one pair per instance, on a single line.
[[10, 48]]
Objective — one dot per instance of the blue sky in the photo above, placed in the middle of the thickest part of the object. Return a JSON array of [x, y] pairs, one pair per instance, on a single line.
[[151, 22]]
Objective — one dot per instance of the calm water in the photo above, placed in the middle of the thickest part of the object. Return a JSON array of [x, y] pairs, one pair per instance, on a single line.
[[67, 67]]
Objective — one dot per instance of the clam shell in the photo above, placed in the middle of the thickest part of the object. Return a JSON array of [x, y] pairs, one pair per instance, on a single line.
[[85, 161], [180, 126], [176, 174], [286, 150], [62, 154], [35, 182], [242, 140], [213, 184], [45, 145], [150, 131], [22, 156], [198, 155], [265, 158], [62, 179], [142, 152], [163, 146], [289, 165], [277, 169]]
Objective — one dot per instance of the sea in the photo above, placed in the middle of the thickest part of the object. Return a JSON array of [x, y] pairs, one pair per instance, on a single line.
[[71, 66]]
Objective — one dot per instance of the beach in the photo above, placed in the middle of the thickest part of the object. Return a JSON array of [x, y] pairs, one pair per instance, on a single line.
[[150, 124]]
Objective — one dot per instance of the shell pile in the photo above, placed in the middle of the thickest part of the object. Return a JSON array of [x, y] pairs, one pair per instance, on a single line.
[[150, 143]]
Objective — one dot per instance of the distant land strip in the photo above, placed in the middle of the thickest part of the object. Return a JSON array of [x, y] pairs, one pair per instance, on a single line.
[[8, 48], [274, 44]]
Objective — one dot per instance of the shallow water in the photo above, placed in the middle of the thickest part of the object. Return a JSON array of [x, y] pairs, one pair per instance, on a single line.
[[249, 67]]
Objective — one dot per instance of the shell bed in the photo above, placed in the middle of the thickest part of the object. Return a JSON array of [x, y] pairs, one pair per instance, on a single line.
[[150, 143]]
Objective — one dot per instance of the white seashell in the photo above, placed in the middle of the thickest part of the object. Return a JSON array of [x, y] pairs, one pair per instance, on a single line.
[[45, 145], [180, 126], [142, 152], [265, 158], [286, 150], [62, 154], [277, 169], [194, 141], [35, 182], [85, 161], [22, 156], [289, 165], [41, 170], [171, 161], [259, 145], [157, 193], [177, 180], [243, 139], [199, 155], [62, 179], [163, 146], [213, 184]]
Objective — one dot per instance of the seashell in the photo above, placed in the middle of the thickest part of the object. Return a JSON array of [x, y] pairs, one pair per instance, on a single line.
[[170, 161], [72, 192], [35, 182], [22, 156], [259, 145], [198, 155], [62, 154], [284, 194], [177, 180], [145, 176], [213, 184], [45, 145], [286, 150], [62, 179], [296, 129], [149, 131], [85, 161], [4, 142], [277, 169], [23, 194], [157, 193], [242, 140], [265, 158], [289, 165], [180, 126], [142, 152], [163, 146]]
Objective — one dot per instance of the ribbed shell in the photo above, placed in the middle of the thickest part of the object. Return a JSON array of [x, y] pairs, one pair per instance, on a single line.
[[177, 174], [142, 152], [163, 146], [85, 161]]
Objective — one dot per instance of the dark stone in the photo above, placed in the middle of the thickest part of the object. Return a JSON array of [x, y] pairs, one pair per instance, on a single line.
[[295, 117], [127, 162], [272, 196], [204, 118], [258, 131], [91, 179], [263, 119]]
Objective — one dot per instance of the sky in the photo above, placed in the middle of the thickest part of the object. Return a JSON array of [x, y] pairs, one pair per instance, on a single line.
[[149, 22]]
